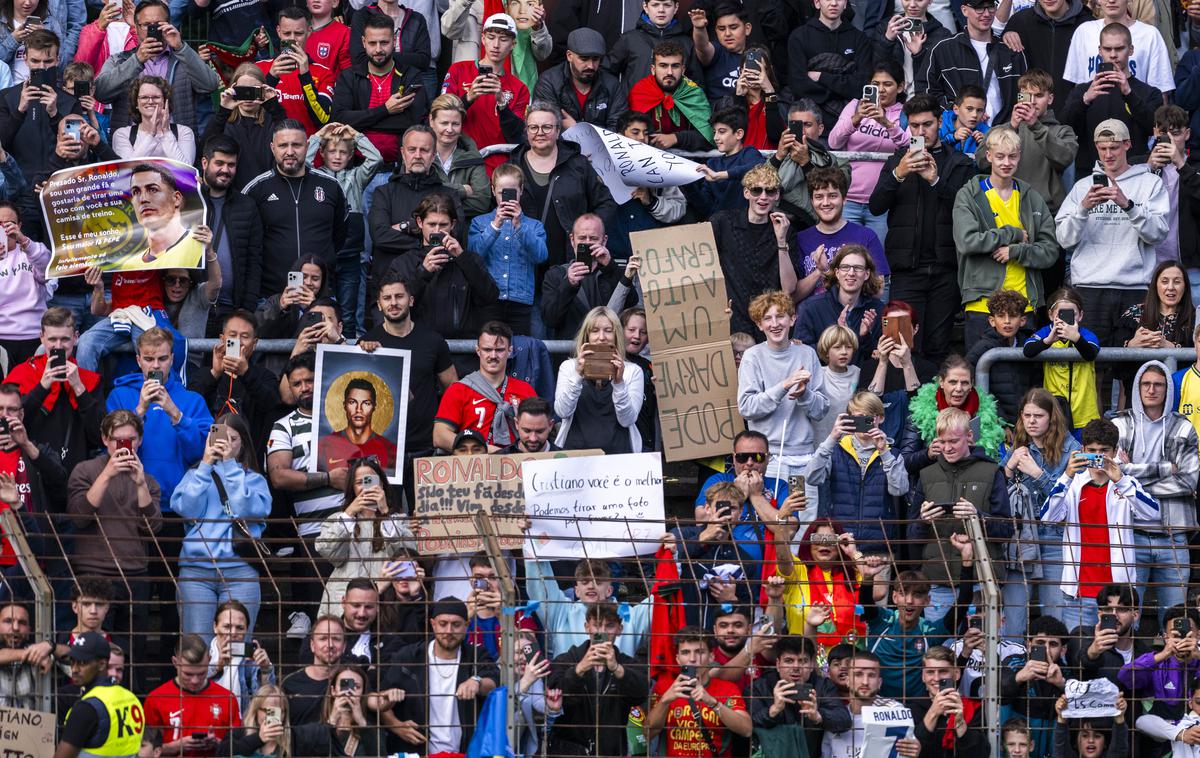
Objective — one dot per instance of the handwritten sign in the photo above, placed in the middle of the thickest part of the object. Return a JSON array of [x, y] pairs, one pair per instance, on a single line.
[[624, 163], [695, 378], [604, 506], [1096, 698], [883, 725], [450, 490], [26, 734]]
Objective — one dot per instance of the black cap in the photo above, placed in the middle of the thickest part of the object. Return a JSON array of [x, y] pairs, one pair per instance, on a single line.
[[451, 606], [979, 3], [468, 434], [88, 647]]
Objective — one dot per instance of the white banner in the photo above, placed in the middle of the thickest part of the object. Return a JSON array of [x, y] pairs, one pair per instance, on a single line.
[[624, 163], [605, 506], [1095, 698]]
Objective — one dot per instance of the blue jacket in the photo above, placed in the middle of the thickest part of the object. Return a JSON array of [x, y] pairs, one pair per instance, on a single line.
[[530, 362], [860, 499], [167, 449], [820, 312], [512, 256], [210, 532], [706, 198], [946, 134]]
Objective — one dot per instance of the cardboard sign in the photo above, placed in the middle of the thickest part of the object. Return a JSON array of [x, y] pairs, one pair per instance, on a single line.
[[450, 490], [694, 374], [606, 506], [26, 734], [623, 163]]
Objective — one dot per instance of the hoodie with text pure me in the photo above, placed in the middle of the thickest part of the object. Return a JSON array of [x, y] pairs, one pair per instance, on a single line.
[[1115, 248]]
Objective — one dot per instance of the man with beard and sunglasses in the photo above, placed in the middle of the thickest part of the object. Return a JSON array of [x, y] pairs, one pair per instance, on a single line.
[[762, 496], [314, 496]]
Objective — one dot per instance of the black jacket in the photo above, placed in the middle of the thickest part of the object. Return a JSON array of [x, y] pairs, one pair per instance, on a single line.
[[352, 98], [1080, 666], [843, 56], [1009, 380], [594, 700], [631, 58], [394, 203], [605, 102], [973, 743], [409, 670], [244, 230], [835, 716], [31, 136], [920, 220], [414, 49], [255, 394], [935, 32], [1136, 110], [454, 301], [1047, 41], [953, 64], [253, 138], [564, 307], [575, 189], [605, 16], [1189, 213], [300, 217], [72, 430], [98, 154]]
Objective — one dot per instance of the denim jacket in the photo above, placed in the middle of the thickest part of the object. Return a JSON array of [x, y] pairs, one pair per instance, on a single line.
[[512, 255]]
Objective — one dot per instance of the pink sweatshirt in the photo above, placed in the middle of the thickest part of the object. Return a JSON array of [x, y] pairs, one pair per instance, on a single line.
[[871, 137], [23, 292]]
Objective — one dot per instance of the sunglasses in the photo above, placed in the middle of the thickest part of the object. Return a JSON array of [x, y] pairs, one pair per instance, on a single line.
[[172, 281], [746, 457], [756, 191]]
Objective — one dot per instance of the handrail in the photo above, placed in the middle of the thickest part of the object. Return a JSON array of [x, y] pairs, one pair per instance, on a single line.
[[1171, 356]]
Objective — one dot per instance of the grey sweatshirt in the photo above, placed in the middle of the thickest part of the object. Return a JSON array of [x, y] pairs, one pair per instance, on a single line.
[[766, 405]]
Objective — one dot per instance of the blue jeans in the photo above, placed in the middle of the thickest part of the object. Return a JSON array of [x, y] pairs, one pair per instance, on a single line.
[[203, 588], [1014, 594], [102, 339], [941, 600], [349, 275], [1079, 611], [1194, 281], [1049, 593], [859, 213], [1162, 563]]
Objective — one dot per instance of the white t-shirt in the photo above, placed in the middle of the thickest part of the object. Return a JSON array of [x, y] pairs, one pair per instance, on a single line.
[[868, 740], [994, 99], [445, 733], [1149, 62]]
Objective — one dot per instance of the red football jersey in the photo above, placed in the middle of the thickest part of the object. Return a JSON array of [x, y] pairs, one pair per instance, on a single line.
[[179, 714], [295, 99], [329, 46], [141, 289], [465, 408], [684, 737], [482, 124]]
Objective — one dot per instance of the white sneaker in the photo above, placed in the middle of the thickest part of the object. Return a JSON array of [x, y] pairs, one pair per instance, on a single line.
[[301, 624]]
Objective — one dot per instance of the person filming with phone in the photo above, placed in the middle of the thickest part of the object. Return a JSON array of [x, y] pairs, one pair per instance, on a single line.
[[590, 280]]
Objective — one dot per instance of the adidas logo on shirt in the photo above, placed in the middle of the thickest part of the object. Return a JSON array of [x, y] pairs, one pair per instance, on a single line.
[[272, 197]]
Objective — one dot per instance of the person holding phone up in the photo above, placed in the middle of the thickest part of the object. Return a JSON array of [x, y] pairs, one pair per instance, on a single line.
[[237, 663], [367, 534], [1075, 382]]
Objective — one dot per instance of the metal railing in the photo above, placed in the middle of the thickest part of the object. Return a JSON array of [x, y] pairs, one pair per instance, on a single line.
[[1172, 357]]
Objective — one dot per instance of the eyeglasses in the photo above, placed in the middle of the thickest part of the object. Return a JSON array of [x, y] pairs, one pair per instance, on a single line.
[[176, 281], [981, 9], [540, 128], [850, 268], [747, 457], [756, 191], [150, 98]]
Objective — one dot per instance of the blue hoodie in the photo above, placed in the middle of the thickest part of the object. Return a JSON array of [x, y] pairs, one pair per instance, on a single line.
[[946, 134], [210, 532], [167, 449]]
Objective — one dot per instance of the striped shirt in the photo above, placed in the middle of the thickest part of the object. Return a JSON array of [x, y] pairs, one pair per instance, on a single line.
[[295, 432]]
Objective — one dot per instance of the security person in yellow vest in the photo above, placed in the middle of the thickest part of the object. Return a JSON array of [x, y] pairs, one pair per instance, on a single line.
[[108, 720]]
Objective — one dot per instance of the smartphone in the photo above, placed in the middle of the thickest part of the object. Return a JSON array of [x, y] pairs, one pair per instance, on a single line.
[[43, 77], [125, 445], [688, 671], [33, 21], [1100, 180], [863, 423], [58, 357], [154, 31], [295, 280], [508, 195], [911, 25], [1181, 626], [804, 691], [1109, 621], [583, 253], [870, 94], [414, 89], [945, 683], [1038, 653], [947, 508], [81, 89], [199, 735], [312, 318], [233, 348], [479, 584], [1156, 142], [436, 239], [485, 69], [898, 326], [405, 570], [73, 129], [155, 375], [765, 625], [4, 428], [347, 684], [753, 59], [245, 92], [529, 647], [916, 144], [796, 128], [217, 432], [1095, 460], [975, 622], [796, 483], [274, 713], [1105, 67], [599, 638], [1024, 97], [724, 509], [370, 481], [1067, 315], [237, 649]]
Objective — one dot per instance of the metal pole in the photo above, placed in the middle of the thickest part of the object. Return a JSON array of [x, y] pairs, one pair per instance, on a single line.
[[43, 596], [508, 631], [986, 576]]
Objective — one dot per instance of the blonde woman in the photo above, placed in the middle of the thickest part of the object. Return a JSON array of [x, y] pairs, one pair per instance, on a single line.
[[266, 730], [599, 410], [459, 164]]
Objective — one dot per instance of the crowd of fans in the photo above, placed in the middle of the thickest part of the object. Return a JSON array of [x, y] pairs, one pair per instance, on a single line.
[[893, 192]]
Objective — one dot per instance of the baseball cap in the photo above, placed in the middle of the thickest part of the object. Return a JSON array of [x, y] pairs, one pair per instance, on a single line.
[[979, 3], [586, 42], [88, 647], [1113, 129], [500, 22], [469, 434]]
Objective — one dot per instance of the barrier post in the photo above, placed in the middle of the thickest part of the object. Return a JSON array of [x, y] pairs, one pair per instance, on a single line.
[[508, 632], [986, 575], [43, 597]]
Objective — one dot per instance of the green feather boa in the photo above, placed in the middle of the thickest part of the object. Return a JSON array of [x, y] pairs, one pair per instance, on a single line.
[[923, 411]]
